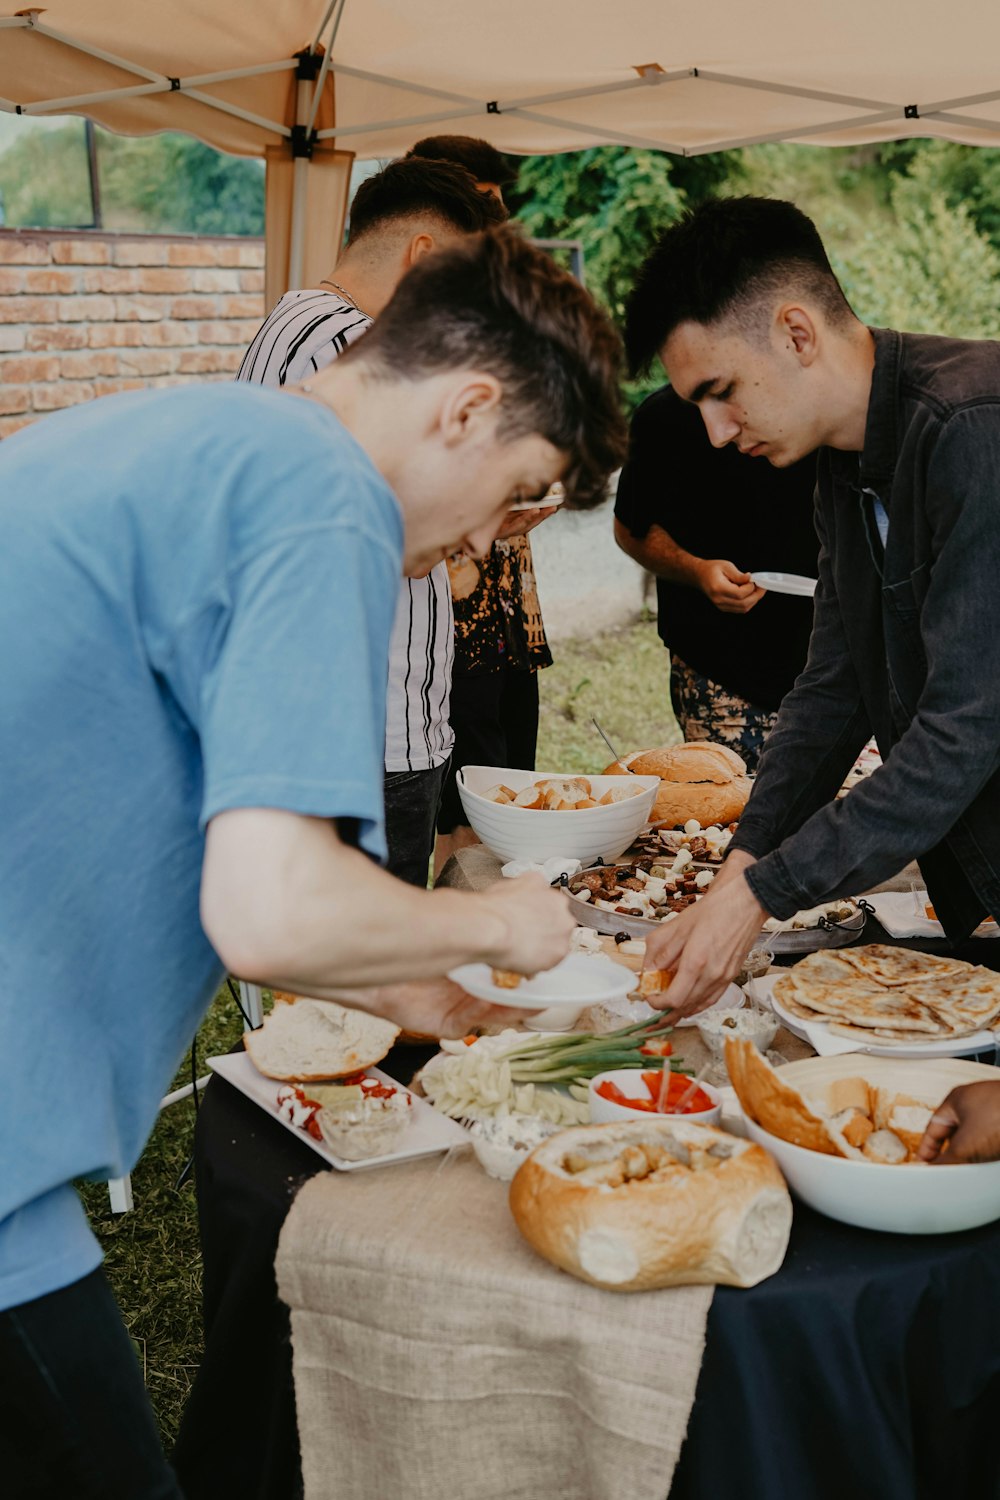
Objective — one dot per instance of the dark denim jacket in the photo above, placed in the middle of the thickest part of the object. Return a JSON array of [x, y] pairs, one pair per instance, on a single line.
[[905, 645]]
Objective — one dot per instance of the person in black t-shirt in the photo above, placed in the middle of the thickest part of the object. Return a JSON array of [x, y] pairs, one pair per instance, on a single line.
[[702, 519]]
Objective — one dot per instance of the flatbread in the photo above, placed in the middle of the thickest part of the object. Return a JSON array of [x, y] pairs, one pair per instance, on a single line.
[[969, 998], [894, 994], [869, 1005], [899, 966]]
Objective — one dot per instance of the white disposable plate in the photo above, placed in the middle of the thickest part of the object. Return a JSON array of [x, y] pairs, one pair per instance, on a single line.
[[578, 981], [426, 1133], [816, 1032], [785, 583]]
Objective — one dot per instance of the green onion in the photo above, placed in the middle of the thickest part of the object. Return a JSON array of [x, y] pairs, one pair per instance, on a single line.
[[581, 1055]]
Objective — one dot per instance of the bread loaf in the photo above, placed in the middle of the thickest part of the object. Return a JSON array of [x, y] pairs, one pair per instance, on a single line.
[[316, 1039], [699, 780], [661, 1202]]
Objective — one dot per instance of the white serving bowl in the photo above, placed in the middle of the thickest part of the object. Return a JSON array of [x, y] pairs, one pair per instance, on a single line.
[[522, 833], [629, 1080], [910, 1199]]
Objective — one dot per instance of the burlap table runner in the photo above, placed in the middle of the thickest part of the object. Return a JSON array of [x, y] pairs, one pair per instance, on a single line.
[[438, 1357], [436, 1354]]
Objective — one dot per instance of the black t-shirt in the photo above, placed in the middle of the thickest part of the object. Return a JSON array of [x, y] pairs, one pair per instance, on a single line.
[[718, 503]]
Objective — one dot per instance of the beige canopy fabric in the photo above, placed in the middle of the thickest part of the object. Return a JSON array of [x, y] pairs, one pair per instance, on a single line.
[[529, 76]]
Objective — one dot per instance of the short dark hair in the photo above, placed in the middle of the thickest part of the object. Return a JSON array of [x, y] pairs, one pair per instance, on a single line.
[[498, 304], [484, 161], [411, 187], [728, 260]]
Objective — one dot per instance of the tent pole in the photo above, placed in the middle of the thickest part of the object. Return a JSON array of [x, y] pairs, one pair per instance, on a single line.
[[300, 191]]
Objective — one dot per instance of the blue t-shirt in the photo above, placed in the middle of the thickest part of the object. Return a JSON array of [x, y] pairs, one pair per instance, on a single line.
[[197, 590]]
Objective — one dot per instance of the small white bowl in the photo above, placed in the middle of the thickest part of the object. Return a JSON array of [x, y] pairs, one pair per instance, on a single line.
[[629, 1081], [748, 1024], [556, 1018], [521, 833]]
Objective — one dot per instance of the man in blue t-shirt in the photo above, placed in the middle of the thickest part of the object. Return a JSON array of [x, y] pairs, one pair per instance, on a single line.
[[196, 593]]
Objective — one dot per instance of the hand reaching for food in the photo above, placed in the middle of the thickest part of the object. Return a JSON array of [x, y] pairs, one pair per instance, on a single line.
[[704, 946], [965, 1127]]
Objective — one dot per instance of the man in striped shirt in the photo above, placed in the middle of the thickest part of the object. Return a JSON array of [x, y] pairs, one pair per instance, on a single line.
[[402, 213]]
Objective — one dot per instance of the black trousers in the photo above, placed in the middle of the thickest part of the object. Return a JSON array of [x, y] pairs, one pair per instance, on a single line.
[[75, 1421], [412, 799], [495, 719]]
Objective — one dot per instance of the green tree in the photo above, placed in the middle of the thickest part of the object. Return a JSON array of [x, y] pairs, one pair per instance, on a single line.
[[615, 201], [965, 176], [166, 183], [44, 179], [935, 273]]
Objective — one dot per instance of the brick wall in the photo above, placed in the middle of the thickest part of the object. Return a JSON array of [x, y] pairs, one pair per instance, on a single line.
[[84, 314]]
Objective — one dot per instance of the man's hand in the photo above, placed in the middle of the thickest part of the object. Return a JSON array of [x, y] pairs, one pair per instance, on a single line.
[[727, 587], [705, 945], [520, 522], [535, 924], [435, 1008], [968, 1123]]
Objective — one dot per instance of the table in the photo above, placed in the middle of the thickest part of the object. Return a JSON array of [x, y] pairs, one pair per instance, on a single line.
[[869, 1365], [854, 1326]]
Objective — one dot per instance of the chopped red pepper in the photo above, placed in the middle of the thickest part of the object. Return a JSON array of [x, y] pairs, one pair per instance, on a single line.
[[677, 1086], [654, 1048]]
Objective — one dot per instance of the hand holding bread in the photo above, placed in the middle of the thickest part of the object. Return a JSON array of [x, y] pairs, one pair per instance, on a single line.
[[966, 1126], [705, 945]]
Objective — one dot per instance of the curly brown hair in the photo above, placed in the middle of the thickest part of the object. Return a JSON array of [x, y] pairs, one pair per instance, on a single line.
[[499, 304]]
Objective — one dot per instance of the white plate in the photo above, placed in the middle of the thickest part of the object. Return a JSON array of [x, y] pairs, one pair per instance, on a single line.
[[426, 1133], [828, 1044], [579, 980], [785, 583]]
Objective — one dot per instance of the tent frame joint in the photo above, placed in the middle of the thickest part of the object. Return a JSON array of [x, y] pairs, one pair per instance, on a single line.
[[303, 141], [309, 64], [175, 84], [911, 112], [493, 107]]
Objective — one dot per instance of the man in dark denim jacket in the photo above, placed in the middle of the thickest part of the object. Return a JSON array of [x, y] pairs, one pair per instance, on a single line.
[[741, 305]]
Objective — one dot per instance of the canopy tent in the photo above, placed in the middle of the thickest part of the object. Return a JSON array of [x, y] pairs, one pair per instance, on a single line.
[[309, 84]]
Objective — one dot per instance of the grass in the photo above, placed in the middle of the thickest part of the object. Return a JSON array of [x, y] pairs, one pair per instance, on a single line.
[[153, 1258]]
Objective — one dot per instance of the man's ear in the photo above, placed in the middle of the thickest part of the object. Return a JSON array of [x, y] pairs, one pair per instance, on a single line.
[[470, 402], [798, 330], [419, 246]]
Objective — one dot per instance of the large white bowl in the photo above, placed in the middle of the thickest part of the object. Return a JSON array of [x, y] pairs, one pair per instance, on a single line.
[[912, 1199], [521, 833]]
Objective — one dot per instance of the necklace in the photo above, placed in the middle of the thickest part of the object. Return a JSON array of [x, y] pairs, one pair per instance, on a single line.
[[328, 281]]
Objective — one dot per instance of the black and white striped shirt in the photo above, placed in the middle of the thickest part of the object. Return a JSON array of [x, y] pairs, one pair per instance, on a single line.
[[306, 331]]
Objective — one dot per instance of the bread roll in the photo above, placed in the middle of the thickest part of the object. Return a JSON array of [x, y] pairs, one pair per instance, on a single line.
[[699, 780], [316, 1039], [657, 1203]]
